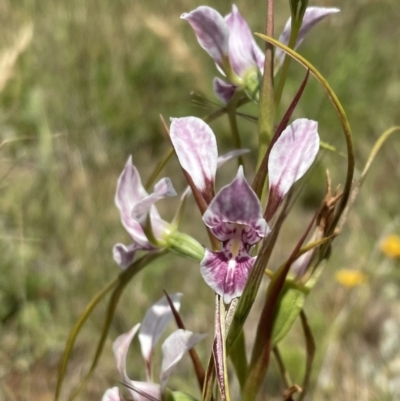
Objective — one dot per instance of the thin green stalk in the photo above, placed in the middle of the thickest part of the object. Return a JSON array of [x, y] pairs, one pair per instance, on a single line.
[[152, 179], [231, 109], [266, 105], [286, 64]]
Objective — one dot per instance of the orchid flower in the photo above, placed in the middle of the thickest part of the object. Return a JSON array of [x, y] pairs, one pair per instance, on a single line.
[[135, 204], [150, 331], [235, 216], [230, 43]]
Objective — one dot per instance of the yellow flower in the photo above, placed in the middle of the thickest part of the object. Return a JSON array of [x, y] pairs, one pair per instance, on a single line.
[[350, 278], [390, 246]]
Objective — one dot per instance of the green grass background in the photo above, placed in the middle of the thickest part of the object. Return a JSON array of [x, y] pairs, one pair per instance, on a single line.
[[85, 93]]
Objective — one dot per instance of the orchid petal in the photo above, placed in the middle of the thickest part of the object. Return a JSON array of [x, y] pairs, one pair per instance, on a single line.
[[196, 148], [227, 277], [241, 43], [112, 394], [211, 31], [144, 391], [124, 255], [173, 349], [162, 189], [231, 155], [291, 156], [130, 191], [236, 203], [311, 17], [154, 324], [120, 349], [223, 90]]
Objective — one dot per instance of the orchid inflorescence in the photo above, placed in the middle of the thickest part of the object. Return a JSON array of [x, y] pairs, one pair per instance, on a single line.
[[241, 218]]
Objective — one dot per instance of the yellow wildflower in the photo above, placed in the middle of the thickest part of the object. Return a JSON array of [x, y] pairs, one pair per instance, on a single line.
[[350, 278], [390, 246]]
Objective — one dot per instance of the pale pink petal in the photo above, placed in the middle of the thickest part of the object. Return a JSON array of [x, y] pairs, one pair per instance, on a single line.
[[173, 349], [223, 90], [227, 277], [241, 43], [196, 148], [162, 189], [112, 394], [311, 17], [120, 349], [236, 203], [290, 158], [130, 191], [211, 31], [154, 323]]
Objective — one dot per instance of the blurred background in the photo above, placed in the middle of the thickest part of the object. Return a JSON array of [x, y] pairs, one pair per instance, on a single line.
[[82, 85]]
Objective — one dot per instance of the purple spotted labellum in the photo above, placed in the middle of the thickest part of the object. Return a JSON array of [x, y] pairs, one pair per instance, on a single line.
[[234, 217], [230, 43], [135, 204]]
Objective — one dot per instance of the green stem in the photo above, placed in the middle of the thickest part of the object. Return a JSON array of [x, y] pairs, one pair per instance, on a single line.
[[231, 109], [266, 104], [286, 64]]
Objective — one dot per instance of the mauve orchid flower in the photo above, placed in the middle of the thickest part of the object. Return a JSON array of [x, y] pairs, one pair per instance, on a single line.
[[230, 43], [173, 349], [234, 216], [135, 204]]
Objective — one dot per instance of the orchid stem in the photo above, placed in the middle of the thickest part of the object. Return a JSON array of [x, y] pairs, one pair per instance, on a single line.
[[266, 104], [159, 168], [286, 65], [231, 109]]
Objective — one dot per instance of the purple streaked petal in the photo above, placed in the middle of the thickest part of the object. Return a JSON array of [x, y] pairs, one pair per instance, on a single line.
[[120, 349], [112, 394], [196, 148], [223, 90], [291, 156], [311, 17], [231, 155], [144, 391], [173, 349], [211, 31], [162, 189], [236, 203], [154, 324], [124, 255], [241, 43], [227, 277]]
